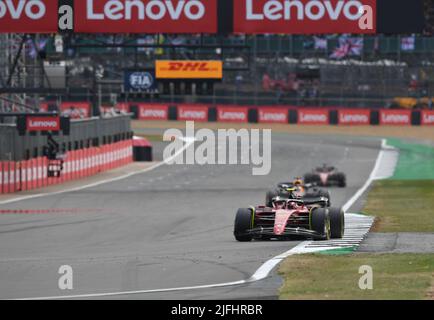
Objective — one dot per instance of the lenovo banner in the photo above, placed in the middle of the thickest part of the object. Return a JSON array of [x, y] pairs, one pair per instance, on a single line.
[[153, 112], [427, 117], [305, 16], [313, 116], [354, 116], [185, 69], [75, 110], [395, 117], [232, 114], [146, 16], [192, 113], [42, 124], [212, 16], [272, 115]]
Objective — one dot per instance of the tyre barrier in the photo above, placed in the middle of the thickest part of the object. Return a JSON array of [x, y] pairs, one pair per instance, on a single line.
[[282, 114], [33, 174]]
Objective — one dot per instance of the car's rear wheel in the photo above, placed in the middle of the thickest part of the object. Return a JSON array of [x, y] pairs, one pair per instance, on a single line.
[[320, 222], [269, 197], [342, 181], [243, 223], [337, 223]]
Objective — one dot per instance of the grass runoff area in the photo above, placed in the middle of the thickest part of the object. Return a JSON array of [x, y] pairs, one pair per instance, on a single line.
[[403, 203], [336, 277]]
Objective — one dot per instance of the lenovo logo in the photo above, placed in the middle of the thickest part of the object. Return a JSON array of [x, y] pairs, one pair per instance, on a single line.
[[427, 117], [193, 113], [395, 117], [153, 112], [141, 10], [299, 10], [33, 9], [354, 117], [273, 116], [228, 115], [305, 16], [43, 124], [232, 114], [313, 117]]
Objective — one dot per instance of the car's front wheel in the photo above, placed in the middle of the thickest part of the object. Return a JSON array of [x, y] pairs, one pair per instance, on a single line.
[[243, 223], [320, 222], [337, 222]]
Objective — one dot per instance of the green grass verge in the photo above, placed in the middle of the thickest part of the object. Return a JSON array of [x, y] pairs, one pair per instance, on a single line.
[[416, 161], [395, 276], [152, 137], [402, 205]]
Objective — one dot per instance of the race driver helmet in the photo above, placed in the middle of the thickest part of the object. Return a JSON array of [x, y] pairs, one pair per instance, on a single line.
[[298, 181]]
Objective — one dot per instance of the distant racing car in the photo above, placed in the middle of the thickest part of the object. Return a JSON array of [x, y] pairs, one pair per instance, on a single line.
[[295, 190], [326, 176], [288, 218]]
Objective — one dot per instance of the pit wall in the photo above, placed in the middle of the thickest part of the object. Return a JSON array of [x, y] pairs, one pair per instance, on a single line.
[[32, 174]]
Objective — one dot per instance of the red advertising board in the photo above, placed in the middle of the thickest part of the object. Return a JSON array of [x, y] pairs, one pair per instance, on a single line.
[[123, 106], [75, 110], [153, 112], [427, 117], [42, 124], [303, 16], [313, 116], [354, 116], [192, 112], [36, 16], [146, 16], [272, 115], [232, 114], [395, 117]]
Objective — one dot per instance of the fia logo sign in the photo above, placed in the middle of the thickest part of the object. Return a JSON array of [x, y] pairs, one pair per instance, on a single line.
[[141, 81]]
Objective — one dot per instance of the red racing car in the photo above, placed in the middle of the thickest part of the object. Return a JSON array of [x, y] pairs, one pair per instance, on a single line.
[[287, 218], [326, 176]]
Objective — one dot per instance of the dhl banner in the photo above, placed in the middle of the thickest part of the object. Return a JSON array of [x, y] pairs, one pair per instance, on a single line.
[[185, 69]]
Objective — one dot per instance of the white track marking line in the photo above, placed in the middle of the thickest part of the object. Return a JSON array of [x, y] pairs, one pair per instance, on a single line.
[[91, 185], [375, 175], [355, 221]]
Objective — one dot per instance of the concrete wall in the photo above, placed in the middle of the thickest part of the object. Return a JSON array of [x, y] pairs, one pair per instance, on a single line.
[[83, 134]]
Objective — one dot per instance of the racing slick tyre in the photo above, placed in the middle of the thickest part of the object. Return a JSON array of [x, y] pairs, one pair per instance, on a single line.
[[243, 223], [308, 178], [312, 178], [320, 222], [342, 181], [269, 197], [337, 223]]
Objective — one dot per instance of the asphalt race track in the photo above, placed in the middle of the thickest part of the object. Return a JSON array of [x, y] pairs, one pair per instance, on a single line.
[[167, 228]]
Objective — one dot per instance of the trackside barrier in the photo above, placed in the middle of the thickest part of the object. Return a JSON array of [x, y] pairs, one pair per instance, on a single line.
[[310, 115], [32, 174]]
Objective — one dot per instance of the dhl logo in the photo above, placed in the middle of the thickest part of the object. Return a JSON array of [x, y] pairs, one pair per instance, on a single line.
[[189, 69], [189, 66]]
